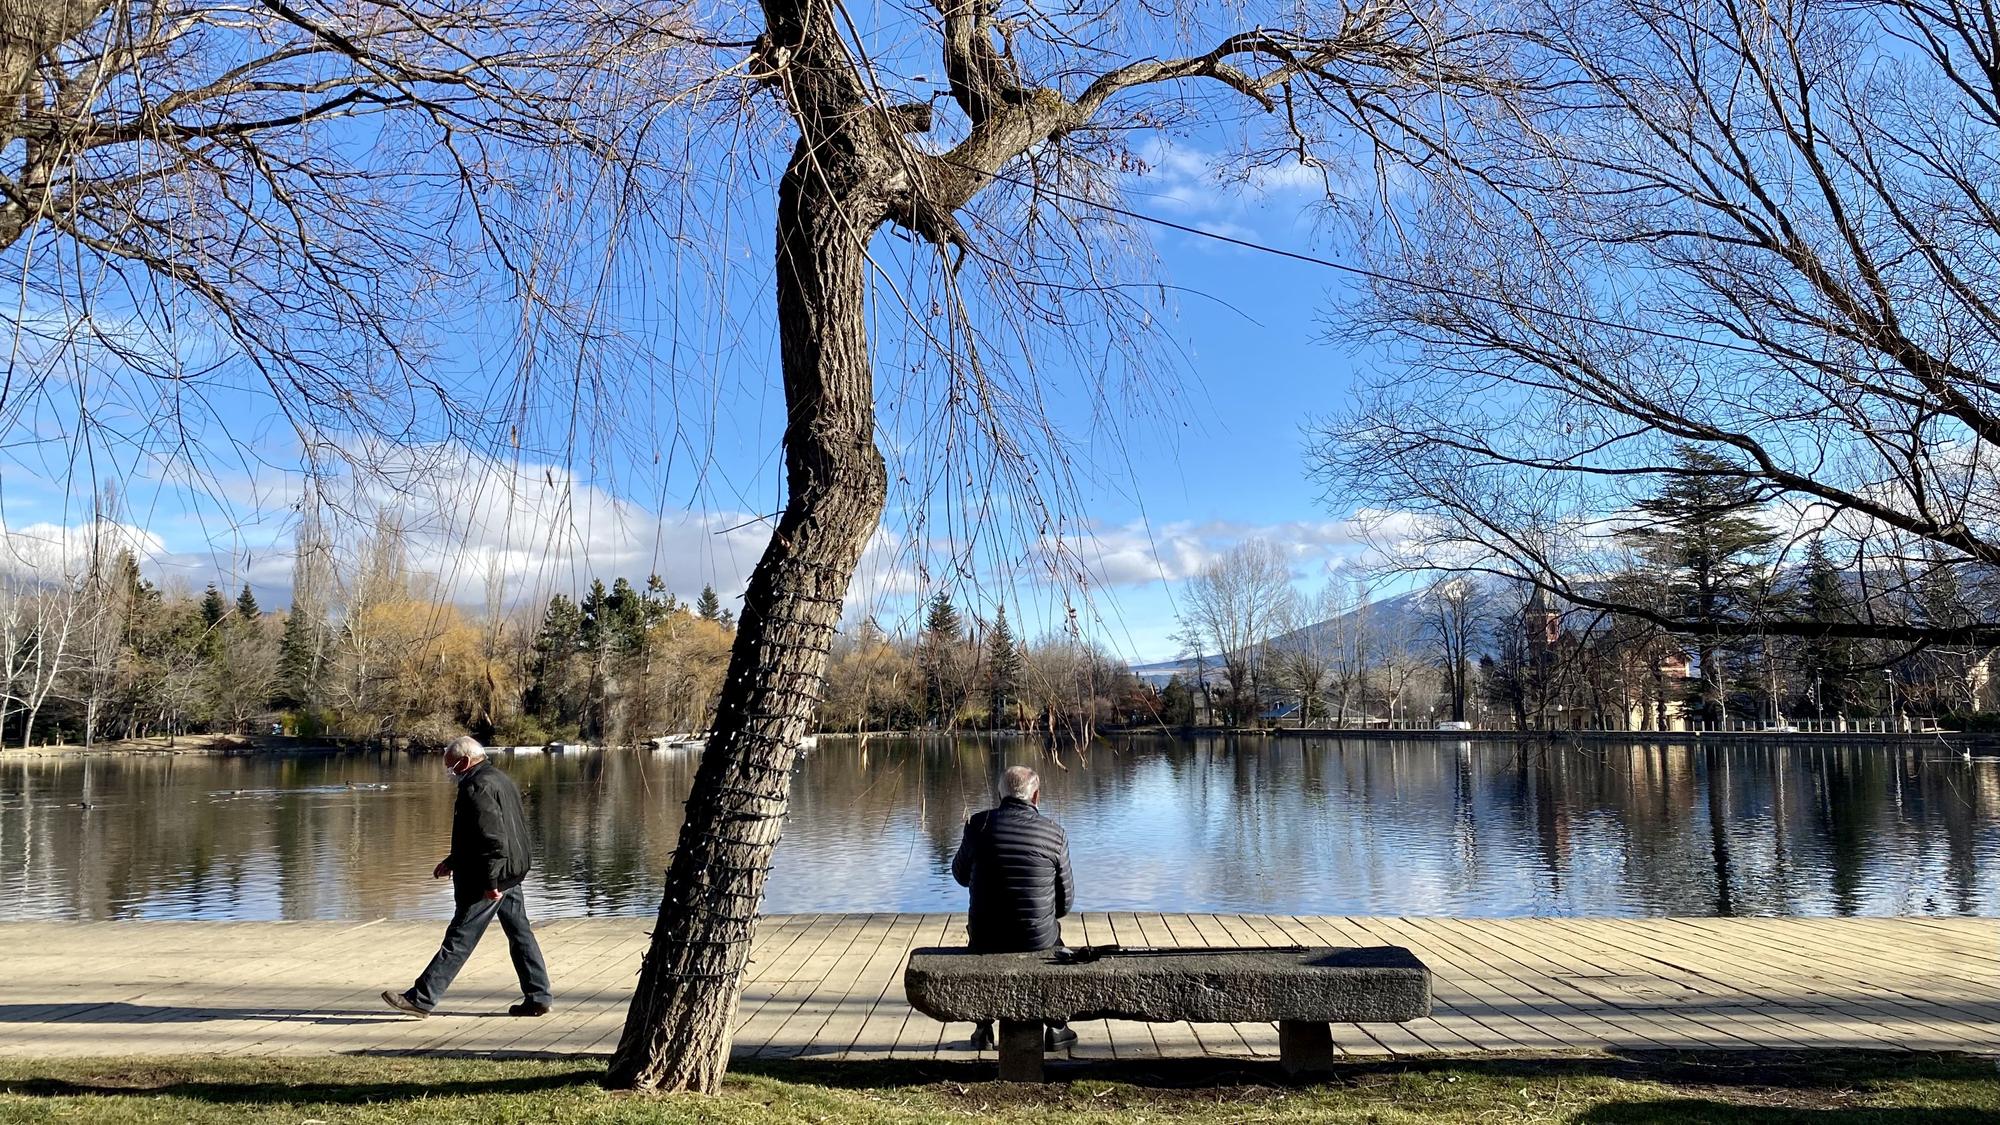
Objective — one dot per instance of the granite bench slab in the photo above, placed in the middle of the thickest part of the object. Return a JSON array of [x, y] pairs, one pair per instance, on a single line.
[[1301, 989]]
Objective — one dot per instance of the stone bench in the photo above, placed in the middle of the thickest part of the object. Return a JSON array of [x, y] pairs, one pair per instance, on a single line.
[[1302, 989]]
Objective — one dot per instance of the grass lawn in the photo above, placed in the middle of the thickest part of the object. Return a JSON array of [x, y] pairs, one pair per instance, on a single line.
[[1824, 1088]]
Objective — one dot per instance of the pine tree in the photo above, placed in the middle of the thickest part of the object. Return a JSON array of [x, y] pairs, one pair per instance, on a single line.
[[1177, 703], [944, 630], [708, 607], [300, 658], [1827, 663], [550, 695], [1713, 552], [1003, 669], [246, 605], [213, 608], [626, 612], [597, 626], [660, 602]]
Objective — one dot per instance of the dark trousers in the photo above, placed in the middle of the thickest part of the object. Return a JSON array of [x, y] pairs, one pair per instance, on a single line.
[[463, 934]]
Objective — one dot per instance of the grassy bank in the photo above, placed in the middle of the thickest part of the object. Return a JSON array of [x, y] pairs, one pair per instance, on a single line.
[[1816, 1088]]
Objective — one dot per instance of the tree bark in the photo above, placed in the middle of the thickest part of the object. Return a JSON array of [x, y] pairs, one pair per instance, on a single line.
[[677, 1033]]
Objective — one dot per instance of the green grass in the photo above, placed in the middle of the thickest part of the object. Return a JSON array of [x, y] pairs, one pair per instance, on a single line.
[[1826, 1088]]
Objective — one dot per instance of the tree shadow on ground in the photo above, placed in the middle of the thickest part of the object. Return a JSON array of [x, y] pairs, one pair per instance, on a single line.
[[121, 1012], [1754, 1087], [1773, 1070], [299, 1090]]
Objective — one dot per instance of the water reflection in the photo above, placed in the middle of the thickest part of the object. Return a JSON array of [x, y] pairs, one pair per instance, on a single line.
[[1216, 825]]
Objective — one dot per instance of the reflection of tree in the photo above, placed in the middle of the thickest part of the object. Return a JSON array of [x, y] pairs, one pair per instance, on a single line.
[[1156, 823]]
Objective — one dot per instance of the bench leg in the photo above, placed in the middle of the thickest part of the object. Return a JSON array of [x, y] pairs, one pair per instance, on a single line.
[[1020, 1050], [1305, 1048]]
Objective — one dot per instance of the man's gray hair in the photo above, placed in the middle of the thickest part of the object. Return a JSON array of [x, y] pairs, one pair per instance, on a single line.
[[1021, 782], [465, 747]]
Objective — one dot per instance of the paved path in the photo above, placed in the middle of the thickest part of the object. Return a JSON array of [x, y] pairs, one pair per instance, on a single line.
[[830, 986]]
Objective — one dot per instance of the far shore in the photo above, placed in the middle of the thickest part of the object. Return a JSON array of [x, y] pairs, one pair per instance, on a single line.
[[195, 744], [223, 745]]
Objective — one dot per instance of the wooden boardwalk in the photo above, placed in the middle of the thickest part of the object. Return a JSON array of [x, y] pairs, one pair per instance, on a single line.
[[829, 986]]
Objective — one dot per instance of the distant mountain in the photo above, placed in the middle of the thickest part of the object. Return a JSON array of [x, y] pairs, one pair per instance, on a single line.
[[1404, 617]]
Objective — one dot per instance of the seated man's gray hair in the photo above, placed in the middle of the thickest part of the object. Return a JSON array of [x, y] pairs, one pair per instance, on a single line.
[[465, 748], [1021, 782]]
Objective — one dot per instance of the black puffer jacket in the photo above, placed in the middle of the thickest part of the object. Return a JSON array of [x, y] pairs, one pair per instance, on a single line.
[[1017, 863], [489, 834]]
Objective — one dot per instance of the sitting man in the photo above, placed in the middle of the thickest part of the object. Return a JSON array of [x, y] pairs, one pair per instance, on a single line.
[[1017, 863]]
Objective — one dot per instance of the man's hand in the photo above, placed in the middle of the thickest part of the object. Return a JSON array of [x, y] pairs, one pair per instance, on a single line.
[[493, 895], [443, 869]]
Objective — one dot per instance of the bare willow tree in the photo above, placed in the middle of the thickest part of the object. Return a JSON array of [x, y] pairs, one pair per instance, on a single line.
[[1769, 232], [220, 209], [995, 172]]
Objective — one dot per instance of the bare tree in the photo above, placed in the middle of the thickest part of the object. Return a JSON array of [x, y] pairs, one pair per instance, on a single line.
[[1357, 641], [1041, 106], [205, 203], [1456, 622], [1765, 232], [1314, 632], [1233, 607]]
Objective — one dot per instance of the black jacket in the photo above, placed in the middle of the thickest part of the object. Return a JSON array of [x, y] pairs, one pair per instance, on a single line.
[[1017, 863], [489, 834]]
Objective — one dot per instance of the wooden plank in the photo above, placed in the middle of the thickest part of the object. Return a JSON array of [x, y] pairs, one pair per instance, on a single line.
[[830, 985], [876, 1031], [1466, 1004]]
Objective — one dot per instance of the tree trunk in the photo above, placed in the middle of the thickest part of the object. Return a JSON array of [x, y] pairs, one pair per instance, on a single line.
[[677, 1033]]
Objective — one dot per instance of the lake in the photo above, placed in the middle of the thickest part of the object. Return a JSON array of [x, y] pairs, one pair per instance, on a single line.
[[1210, 825]]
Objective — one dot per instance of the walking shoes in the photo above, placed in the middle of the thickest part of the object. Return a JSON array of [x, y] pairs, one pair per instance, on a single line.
[[402, 1003]]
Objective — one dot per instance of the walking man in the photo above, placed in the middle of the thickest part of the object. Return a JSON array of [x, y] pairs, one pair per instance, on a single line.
[[1016, 861], [488, 860]]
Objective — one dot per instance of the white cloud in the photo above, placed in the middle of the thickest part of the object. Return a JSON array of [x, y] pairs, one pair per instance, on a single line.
[[1190, 181], [1137, 554], [54, 552], [475, 524]]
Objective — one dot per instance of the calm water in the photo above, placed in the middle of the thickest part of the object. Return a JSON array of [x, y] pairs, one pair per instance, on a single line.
[[1323, 827]]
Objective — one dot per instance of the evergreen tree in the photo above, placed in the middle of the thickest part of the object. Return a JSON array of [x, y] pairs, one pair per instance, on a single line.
[[1713, 552], [1827, 663], [551, 694], [708, 607], [727, 620], [213, 608], [1003, 669], [301, 658], [626, 614], [596, 624], [944, 630], [246, 605], [660, 602], [1177, 703]]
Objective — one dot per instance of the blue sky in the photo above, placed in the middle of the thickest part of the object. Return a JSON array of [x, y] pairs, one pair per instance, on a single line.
[[1224, 463]]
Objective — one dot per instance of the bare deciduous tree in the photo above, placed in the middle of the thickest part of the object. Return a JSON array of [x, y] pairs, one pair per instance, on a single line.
[[1456, 620], [1766, 232], [1313, 634], [1040, 108], [1232, 607], [205, 203]]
